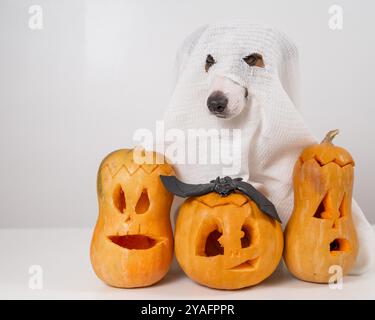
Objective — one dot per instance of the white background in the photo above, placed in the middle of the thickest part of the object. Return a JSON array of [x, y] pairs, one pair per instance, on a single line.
[[76, 90]]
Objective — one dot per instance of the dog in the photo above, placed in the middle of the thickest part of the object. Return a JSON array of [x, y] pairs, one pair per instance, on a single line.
[[227, 98], [244, 76]]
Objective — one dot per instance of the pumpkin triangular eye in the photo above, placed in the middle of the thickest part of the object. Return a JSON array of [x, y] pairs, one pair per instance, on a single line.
[[119, 199], [143, 203], [319, 210], [324, 210]]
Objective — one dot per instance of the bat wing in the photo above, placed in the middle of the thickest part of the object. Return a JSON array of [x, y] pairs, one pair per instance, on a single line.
[[184, 190], [262, 202]]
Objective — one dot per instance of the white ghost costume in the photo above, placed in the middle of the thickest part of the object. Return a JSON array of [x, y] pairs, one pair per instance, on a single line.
[[273, 132]]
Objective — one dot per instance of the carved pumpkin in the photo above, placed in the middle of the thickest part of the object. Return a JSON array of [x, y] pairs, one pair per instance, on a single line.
[[320, 232], [132, 245], [226, 242]]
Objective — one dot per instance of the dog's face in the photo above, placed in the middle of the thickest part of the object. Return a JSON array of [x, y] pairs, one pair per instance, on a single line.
[[227, 98]]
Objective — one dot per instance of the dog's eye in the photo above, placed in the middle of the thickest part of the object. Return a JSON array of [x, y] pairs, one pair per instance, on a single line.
[[254, 60], [210, 61]]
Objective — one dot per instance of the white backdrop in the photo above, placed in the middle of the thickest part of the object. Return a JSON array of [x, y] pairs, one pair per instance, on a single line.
[[98, 70]]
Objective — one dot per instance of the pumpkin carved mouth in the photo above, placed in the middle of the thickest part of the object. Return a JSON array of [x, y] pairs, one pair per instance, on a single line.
[[135, 241], [339, 245], [247, 265]]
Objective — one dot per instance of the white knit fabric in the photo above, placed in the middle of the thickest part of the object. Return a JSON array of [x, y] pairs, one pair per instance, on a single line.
[[273, 130]]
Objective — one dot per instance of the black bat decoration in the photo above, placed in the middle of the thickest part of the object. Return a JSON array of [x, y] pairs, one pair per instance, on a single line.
[[224, 187]]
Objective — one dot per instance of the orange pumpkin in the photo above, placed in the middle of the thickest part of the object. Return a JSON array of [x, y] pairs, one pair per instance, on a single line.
[[132, 245], [226, 242], [320, 232]]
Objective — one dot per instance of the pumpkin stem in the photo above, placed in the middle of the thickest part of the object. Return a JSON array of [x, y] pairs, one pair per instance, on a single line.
[[330, 135]]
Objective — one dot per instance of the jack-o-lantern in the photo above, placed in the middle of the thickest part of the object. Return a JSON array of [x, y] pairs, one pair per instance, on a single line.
[[132, 245], [226, 242], [320, 232]]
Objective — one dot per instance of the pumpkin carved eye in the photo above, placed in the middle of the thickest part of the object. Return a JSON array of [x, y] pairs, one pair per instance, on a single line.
[[213, 246], [324, 210], [119, 199], [143, 203], [254, 60], [210, 61]]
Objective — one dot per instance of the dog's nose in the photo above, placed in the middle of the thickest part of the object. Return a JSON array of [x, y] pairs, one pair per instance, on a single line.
[[217, 102]]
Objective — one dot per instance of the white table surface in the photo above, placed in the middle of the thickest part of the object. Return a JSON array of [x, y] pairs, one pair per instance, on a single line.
[[63, 255]]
